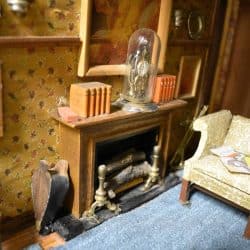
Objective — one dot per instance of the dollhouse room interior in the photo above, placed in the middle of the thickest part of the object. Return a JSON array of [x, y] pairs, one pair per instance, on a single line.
[[124, 124]]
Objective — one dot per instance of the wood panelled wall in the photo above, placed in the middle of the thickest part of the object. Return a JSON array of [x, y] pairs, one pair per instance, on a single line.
[[231, 89], [206, 47]]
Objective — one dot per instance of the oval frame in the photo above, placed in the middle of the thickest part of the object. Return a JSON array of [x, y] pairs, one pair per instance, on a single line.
[[197, 17]]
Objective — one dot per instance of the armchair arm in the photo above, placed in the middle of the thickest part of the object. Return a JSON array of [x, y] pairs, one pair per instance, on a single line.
[[213, 128]]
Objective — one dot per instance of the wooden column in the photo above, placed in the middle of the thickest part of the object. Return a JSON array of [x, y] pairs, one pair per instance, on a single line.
[[247, 229], [1, 101], [70, 149]]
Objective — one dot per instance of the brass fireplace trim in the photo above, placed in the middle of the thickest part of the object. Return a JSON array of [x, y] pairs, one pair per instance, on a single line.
[[154, 174], [101, 198]]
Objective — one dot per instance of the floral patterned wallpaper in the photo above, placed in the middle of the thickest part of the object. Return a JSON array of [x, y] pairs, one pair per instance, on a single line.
[[45, 17], [33, 81]]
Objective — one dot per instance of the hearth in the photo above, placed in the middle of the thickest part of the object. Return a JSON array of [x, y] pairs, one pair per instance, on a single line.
[[125, 151], [91, 142], [125, 170], [141, 141]]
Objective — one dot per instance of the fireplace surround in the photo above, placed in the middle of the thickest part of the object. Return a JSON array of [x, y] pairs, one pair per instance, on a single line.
[[79, 144]]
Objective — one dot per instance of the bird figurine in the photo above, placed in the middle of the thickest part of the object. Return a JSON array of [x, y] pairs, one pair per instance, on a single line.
[[49, 188]]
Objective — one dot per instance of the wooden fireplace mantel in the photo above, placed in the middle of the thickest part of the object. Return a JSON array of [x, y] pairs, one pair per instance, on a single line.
[[77, 145], [119, 114]]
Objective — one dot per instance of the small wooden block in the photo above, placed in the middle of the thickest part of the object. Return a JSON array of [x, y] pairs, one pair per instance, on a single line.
[[67, 114], [30, 236], [51, 240]]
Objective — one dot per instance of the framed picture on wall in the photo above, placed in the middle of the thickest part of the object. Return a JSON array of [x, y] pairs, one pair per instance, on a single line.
[[188, 76], [105, 29]]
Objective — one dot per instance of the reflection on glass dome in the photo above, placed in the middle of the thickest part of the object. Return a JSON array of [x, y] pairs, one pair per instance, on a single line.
[[142, 62]]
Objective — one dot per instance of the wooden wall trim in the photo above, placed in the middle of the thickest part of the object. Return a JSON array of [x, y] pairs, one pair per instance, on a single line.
[[224, 56], [184, 42], [117, 69], [23, 41], [1, 101], [11, 225]]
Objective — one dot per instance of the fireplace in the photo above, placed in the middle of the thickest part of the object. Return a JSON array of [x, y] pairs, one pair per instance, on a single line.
[[143, 141], [120, 153], [87, 143]]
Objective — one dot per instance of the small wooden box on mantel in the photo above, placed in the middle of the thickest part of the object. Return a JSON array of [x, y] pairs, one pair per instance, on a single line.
[[90, 98]]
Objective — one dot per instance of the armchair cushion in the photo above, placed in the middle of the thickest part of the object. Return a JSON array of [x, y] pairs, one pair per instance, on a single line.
[[212, 166], [238, 136]]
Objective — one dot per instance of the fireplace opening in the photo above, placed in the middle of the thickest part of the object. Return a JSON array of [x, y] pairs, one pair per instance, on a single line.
[[119, 153]]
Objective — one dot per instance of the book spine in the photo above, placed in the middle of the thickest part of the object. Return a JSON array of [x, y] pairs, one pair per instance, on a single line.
[[165, 84], [170, 82], [163, 88], [157, 90], [92, 102], [173, 87], [86, 104], [108, 99], [103, 100], [97, 101]]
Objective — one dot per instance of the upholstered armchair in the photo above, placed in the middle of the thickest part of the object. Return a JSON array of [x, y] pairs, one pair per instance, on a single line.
[[206, 172]]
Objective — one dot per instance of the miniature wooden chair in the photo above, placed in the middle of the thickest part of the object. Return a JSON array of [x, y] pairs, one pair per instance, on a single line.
[[206, 172]]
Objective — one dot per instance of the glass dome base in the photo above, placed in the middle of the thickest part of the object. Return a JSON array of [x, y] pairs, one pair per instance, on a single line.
[[135, 107], [140, 107]]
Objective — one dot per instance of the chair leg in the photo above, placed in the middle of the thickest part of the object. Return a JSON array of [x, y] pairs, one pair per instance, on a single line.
[[247, 230], [185, 191]]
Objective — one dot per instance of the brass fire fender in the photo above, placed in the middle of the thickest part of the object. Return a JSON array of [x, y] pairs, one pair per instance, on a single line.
[[101, 195]]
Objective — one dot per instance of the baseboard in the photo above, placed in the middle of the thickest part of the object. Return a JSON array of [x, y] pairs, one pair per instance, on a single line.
[[12, 225]]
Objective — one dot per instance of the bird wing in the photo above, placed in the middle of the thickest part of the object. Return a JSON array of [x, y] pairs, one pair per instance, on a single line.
[[40, 186]]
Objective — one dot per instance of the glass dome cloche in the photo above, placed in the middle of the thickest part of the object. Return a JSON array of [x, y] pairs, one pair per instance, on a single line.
[[141, 66]]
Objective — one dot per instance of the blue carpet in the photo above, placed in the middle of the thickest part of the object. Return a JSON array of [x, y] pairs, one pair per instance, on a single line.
[[163, 223]]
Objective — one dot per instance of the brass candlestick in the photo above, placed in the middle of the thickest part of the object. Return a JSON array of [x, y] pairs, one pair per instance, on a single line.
[[101, 199], [154, 175]]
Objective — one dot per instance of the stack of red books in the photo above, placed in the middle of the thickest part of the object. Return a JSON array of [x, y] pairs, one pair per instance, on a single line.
[[164, 88]]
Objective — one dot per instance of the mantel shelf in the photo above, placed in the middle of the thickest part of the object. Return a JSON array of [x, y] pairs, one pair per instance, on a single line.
[[23, 41], [117, 115]]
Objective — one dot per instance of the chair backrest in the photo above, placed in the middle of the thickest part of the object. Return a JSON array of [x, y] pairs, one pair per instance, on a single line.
[[213, 128], [238, 136]]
